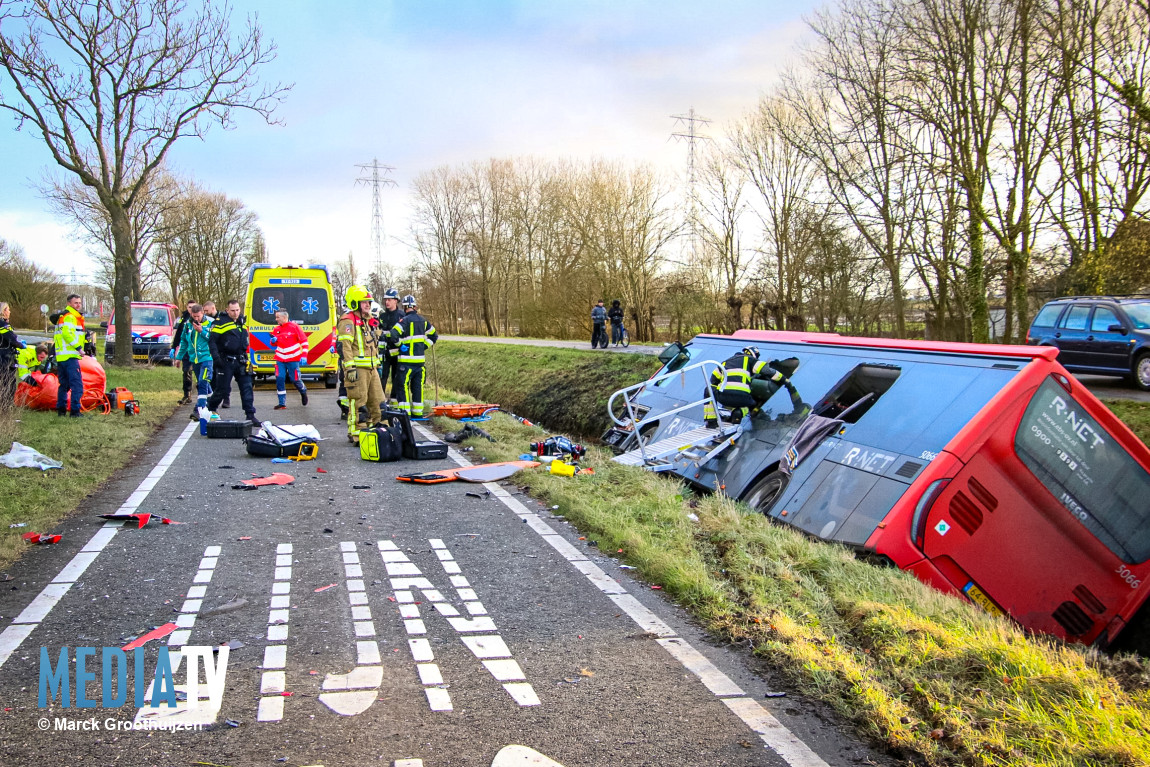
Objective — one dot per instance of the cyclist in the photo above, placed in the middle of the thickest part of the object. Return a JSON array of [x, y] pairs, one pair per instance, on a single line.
[[615, 314]]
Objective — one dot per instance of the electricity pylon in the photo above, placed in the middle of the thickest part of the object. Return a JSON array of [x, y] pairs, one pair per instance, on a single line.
[[688, 126], [376, 179]]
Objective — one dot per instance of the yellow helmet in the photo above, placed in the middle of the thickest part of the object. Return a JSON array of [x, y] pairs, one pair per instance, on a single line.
[[354, 295]]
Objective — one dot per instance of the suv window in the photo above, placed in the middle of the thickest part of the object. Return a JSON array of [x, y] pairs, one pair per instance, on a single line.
[[1048, 315], [1139, 314], [1075, 319], [1104, 317]]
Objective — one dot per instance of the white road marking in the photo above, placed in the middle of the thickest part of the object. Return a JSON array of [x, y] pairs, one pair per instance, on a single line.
[[521, 756], [15, 634], [201, 709], [273, 682], [772, 732], [354, 692]]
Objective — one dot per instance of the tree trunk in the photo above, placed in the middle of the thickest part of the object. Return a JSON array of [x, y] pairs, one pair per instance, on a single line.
[[975, 276], [123, 285]]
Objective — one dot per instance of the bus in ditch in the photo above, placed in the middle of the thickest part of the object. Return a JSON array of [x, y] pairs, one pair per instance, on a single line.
[[305, 293], [985, 470]]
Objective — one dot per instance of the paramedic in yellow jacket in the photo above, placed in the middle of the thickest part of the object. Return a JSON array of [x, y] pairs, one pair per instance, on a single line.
[[358, 337], [69, 340]]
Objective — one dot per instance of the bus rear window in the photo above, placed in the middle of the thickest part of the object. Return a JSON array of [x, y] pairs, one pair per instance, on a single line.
[[1090, 474], [305, 306]]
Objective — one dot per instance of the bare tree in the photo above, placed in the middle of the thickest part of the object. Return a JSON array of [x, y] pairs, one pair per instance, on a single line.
[[26, 285], [111, 85]]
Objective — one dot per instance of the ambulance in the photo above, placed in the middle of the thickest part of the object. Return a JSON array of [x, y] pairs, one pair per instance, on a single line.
[[305, 293]]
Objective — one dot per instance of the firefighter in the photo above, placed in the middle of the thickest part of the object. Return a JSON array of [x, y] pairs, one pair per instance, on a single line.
[[389, 355], [228, 346], [359, 351], [69, 342], [735, 391], [412, 336]]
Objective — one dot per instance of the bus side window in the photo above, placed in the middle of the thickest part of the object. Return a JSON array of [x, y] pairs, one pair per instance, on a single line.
[[857, 392]]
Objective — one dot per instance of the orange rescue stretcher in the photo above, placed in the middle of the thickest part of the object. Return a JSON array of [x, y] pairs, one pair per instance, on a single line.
[[466, 410]]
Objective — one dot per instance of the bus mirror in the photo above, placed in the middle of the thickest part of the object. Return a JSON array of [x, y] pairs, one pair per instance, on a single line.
[[671, 352]]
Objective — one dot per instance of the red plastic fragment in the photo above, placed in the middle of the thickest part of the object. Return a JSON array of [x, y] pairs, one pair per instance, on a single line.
[[142, 519], [244, 538], [166, 521], [656, 588], [287, 694], [276, 478], [325, 588], [321, 471], [156, 633], [31, 537], [50, 539]]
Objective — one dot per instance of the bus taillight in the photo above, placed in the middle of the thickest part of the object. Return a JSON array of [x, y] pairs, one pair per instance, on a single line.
[[922, 510]]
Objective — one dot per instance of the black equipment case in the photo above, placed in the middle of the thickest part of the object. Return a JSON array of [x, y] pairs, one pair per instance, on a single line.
[[229, 429], [413, 450]]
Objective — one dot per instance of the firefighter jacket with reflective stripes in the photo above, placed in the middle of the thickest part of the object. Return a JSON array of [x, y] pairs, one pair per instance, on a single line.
[[27, 361], [228, 338], [195, 347], [741, 368], [387, 321], [359, 340], [413, 336], [69, 335], [291, 343]]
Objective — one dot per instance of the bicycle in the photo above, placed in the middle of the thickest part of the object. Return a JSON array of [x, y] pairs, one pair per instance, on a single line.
[[624, 338]]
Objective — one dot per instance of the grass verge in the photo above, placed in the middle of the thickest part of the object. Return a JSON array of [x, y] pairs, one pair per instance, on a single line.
[[927, 675], [567, 389], [92, 449], [1136, 415]]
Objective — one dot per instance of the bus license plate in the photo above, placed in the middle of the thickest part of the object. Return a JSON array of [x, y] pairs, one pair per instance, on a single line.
[[979, 597]]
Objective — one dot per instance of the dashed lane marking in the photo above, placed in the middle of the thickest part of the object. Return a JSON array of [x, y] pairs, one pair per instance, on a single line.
[[273, 681], [15, 634], [773, 733]]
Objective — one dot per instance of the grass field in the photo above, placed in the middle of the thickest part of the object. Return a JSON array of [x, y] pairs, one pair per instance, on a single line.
[[929, 676], [92, 448]]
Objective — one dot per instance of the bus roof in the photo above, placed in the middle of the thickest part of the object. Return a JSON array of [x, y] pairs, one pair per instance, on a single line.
[[897, 344]]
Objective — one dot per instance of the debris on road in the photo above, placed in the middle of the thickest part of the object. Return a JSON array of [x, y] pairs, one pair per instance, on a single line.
[[325, 588], [18, 524], [771, 694], [276, 478], [37, 538], [361, 487], [157, 633], [227, 607], [244, 538]]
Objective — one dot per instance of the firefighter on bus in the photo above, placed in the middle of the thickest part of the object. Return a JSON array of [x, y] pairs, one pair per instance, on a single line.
[[735, 392], [359, 350]]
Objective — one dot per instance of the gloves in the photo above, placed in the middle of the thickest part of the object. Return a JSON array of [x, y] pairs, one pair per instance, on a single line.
[[30, 381], [351, 375]]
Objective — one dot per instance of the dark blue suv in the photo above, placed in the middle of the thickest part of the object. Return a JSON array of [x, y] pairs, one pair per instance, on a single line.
[[1103, 335]]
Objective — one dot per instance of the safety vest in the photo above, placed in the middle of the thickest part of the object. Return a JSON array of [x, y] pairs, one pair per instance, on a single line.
[[413, 335], [69, 335], [359, 350], [740, 369], [26, 361]]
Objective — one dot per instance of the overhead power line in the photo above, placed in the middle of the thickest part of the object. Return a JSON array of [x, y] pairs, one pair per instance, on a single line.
[[688, 129]]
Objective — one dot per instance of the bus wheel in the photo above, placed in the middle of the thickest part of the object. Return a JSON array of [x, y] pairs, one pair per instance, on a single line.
[[330, 381], [763, 494]]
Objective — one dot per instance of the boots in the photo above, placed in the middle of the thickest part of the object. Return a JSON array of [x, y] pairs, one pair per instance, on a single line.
[[303, 397]]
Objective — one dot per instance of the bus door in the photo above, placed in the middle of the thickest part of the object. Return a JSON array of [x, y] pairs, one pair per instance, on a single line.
[[1048, 520]]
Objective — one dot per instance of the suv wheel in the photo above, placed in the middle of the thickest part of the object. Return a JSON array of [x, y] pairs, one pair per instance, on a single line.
[[1140, 375]]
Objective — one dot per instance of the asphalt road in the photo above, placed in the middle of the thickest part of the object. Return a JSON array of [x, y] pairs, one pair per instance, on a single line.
[[1103, 387], [407, 622]]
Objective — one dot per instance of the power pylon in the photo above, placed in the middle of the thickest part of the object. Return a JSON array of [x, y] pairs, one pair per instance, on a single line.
[[688, 130], [376, 179]]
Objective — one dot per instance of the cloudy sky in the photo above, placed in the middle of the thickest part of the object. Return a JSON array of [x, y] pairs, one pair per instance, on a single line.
[[423, 83]]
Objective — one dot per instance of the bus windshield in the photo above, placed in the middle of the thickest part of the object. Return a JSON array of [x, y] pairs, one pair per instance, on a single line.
[[1093, 477]]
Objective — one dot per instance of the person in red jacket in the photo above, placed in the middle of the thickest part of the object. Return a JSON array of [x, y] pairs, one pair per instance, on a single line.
[[291, 352]]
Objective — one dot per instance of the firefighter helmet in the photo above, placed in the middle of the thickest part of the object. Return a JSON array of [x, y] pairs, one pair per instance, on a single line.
[[354, 295], [391, 293], [752, 352], [409, 300]]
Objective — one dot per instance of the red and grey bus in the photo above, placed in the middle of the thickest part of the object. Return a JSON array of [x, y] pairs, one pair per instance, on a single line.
[[987, 471]]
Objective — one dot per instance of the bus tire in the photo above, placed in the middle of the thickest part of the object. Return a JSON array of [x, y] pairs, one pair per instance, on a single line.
[[1140, 372], [766, 491]]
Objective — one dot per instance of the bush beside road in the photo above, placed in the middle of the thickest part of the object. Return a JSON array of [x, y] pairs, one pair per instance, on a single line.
[[92, 449]]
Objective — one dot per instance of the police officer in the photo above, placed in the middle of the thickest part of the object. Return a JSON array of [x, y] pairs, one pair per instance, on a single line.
[[735, 391], [228, 345], [389, 355], [69, 341], [358, 339], [412, 336], [10, 344]]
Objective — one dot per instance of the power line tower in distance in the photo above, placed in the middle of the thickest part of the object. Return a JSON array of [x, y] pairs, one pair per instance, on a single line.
[[379, 177], [688, 129]]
